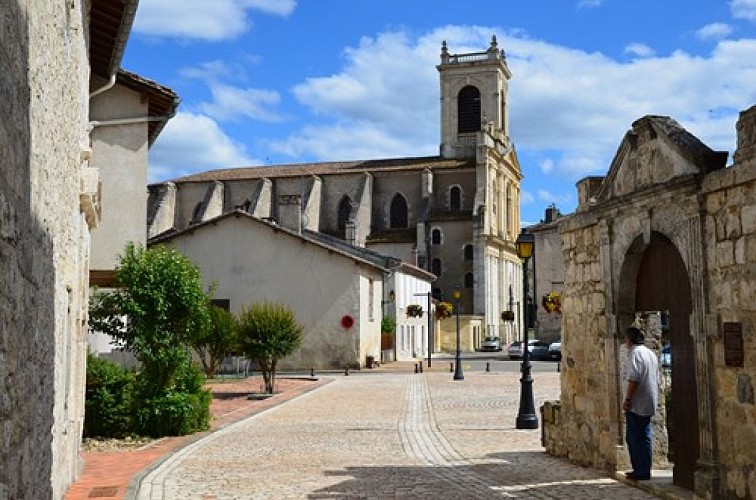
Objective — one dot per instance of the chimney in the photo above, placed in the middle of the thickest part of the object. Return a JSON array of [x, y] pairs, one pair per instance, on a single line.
[[551, 214], [290, 212]]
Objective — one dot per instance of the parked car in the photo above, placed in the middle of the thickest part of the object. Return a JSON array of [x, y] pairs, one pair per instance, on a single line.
[[515, 350], [538, 349], [491, 344], [555, 350], [666, 356]]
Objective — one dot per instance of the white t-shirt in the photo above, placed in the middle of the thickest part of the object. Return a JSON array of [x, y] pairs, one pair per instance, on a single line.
[[643, 368]]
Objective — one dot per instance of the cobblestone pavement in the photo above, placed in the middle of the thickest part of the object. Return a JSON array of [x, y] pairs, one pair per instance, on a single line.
[[384, 435]]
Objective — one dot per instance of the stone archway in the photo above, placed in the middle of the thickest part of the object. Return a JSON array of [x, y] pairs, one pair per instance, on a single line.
[[657, 275]]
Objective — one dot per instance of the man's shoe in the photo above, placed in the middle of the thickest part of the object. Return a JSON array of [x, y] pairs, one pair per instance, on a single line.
[[635, 477]]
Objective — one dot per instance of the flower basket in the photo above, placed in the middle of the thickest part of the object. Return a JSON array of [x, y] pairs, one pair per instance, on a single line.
[[444, 310], [507, 316], [414, 311], [552, 302]]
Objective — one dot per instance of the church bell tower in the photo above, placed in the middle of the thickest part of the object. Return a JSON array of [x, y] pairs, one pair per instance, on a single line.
[[474, 90]]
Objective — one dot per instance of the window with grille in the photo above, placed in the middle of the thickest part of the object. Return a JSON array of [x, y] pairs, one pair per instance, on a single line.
[[436, 237]]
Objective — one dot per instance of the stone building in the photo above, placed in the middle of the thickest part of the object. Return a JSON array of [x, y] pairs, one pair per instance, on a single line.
[[455, 215], [336, 290], [49, 203], [666, 239]]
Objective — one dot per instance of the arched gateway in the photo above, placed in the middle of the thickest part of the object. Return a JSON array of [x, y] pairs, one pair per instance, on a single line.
[[663, 240]]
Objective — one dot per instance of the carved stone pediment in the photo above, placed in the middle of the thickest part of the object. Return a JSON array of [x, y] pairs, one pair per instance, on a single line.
[[656, 150]]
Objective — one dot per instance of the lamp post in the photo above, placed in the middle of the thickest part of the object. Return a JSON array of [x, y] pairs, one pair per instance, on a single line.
[[430, 325], [458, 375], [526, 416]]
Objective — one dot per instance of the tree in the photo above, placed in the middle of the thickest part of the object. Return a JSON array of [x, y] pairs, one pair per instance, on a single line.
[[267, 333], [158, 305], [216, 341]]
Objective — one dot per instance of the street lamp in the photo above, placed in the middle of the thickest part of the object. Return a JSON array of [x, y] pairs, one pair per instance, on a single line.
[[457, 294], [526, 416]]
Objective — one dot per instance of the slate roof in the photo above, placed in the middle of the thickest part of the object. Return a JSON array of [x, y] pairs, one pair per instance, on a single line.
[[322, 168]]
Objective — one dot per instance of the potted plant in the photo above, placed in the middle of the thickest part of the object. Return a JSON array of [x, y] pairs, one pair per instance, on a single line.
[[444, 310], [414, 311]]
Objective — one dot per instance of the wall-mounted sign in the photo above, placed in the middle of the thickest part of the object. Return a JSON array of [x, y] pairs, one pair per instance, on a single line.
[[733, 344]]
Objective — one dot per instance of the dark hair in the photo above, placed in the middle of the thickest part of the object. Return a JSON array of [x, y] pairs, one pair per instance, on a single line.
[[635, 335]]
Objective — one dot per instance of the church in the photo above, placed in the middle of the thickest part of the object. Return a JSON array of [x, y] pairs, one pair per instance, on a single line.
[[455, 215]]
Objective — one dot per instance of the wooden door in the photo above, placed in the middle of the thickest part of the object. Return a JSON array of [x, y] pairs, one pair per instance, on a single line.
[[663, 284]]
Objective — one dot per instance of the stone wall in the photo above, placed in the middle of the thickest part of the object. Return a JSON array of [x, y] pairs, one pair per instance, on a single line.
[[43, 245], [730, 218], [709, 217]]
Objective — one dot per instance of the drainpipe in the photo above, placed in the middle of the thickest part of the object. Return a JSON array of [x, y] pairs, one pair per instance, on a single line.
[[106, 87], [129, 121]]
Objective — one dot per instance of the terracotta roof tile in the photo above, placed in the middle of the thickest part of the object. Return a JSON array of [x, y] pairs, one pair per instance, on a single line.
[[323, 168]]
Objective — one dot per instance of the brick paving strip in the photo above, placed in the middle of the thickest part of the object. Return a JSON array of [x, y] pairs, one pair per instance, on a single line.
[[107, 474]]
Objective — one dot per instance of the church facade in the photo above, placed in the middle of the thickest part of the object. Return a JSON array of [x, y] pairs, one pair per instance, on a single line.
[[455, 215]]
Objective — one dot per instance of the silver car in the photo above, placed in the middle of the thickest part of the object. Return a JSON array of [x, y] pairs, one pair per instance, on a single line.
[[491, 344]]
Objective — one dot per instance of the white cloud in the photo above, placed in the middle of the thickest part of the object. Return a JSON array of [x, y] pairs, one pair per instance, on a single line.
[[589, 4], [547, 166], [194, 143], [526, 197], [210, 20], [231, 103], [744, 9], [572, 104], [639, 49], [714, 31]]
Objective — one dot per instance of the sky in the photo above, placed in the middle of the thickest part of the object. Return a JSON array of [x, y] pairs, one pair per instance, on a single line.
[[271, 82]]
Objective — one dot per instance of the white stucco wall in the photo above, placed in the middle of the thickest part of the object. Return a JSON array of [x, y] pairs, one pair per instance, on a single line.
[[120, 152], [250, 261]]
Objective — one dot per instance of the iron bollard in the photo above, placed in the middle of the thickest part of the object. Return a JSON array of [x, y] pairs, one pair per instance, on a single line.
[[312, 372], [451, 367], [559, 367], [416, 370], [488, 367], [346, 371], [421, 367]]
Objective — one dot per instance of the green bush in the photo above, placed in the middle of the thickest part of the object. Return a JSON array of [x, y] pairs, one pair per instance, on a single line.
[[183, 408], [388, 324], [109, 396]]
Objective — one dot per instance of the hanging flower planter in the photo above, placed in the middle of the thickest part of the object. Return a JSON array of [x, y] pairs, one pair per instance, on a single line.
[[507, 316], [414, 311], [347, 322], [552, 302], [444, 310]]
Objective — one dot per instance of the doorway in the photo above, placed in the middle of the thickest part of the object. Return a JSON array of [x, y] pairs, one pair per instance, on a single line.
[[663, 285]]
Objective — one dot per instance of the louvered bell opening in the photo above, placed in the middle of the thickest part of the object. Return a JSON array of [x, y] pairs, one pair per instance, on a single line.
[[468, 110]]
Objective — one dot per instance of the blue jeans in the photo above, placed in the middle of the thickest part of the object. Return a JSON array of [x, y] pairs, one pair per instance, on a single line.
[[639, 443]]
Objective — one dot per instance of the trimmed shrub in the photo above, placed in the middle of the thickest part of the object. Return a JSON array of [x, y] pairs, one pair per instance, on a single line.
[[183, 408], [109, 396]]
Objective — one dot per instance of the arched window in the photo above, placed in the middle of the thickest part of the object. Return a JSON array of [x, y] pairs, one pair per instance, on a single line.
[[468, 252], [436, 267], [398, 216], [436, 237], [469, 280], [468, 110], [345, 208], [455, 198]]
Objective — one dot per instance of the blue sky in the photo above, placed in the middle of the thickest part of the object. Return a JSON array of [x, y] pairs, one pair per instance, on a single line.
[[267, 82]]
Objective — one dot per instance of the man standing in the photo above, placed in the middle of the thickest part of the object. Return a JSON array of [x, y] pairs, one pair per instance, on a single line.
[[641, 397]]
